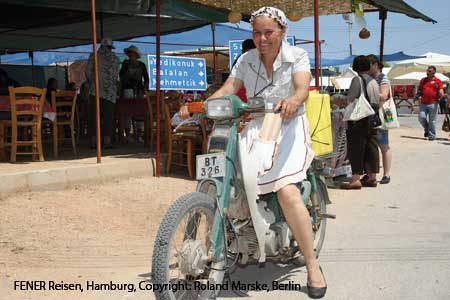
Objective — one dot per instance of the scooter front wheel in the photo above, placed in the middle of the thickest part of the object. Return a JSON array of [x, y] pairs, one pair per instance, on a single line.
[[180, 264]]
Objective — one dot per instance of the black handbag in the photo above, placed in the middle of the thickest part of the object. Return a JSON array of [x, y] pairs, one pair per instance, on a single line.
[[374, 120], [446, 124]]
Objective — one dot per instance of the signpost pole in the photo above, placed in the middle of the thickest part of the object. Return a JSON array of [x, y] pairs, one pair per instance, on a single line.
[[158, 88]]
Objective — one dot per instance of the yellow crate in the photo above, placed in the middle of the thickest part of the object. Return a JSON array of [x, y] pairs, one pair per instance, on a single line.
[[319, 115]]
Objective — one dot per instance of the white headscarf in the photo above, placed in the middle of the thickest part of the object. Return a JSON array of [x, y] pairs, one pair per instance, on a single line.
[[271, 12]]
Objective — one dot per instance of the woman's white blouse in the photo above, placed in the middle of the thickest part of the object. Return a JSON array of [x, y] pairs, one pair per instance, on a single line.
[[250, 69]]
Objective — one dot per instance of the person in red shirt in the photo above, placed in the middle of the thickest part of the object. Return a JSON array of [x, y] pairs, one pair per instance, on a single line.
[[429, 92]]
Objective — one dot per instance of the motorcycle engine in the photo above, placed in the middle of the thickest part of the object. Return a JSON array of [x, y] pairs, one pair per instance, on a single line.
[[277, 240]]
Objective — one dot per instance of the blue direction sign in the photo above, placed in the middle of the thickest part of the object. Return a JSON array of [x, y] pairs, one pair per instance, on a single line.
[[235, 48], [291, 40], [178, 73]]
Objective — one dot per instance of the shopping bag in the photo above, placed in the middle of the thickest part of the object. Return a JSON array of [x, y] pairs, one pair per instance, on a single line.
[[388, 114], [446, 124], [359, 108]]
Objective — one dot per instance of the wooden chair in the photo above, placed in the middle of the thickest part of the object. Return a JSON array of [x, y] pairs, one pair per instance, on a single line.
[[180, 144], [64, 104], [27, 105], [3, 127]]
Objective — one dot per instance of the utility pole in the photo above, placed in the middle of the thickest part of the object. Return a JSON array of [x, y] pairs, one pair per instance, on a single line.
[[349, 18]]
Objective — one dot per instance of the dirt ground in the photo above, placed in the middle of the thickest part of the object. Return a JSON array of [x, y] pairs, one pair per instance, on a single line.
[[100, 233], [95, 232]]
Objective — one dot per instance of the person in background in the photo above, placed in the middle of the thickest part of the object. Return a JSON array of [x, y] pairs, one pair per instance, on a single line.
[[429, 92], [247, 45], [83, 93], [108, 71], [72, 86], [383, 135], [52, 86], [444, 100], [362, 144], [5, 82], [134, 82]]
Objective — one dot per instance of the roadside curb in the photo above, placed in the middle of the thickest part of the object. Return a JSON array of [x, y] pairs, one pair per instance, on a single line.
[[64, 177]]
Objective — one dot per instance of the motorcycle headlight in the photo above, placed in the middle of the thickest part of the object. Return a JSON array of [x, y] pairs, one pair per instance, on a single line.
[[219, 108]]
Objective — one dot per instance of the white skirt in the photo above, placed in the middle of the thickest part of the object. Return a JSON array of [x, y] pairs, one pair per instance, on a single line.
[[293, 153]]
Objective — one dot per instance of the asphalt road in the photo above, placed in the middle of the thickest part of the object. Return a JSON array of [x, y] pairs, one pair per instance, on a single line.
[[389, 242]]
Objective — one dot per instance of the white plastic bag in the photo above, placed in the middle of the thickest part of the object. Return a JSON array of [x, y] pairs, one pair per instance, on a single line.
[[388, 114], [359, 108]]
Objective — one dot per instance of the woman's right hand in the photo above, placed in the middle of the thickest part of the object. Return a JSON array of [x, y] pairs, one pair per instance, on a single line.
[[183, 112]]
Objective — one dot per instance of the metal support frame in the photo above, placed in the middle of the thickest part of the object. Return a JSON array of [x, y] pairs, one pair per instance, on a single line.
[[316, 44], [213, 29], [158, 88], [383, 16], [97, 98]]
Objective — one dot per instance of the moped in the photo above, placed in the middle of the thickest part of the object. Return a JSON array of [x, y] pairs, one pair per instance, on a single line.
[[206, 234]]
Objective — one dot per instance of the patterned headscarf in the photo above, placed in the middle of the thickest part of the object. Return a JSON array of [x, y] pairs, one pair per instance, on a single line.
[[270, 12]]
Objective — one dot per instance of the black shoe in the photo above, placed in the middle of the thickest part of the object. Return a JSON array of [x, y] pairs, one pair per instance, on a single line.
[[425, 134], [317, 293], [369, 183], [385, 180], [431, 138]]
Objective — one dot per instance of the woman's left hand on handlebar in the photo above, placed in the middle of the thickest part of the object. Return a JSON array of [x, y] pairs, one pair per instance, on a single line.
[[183, 112], [287, 107]]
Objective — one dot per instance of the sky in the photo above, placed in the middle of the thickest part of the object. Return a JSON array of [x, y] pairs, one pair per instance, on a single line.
[[412, 36], [402, 33]]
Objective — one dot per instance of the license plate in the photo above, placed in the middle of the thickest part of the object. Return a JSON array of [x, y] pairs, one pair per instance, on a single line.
[[211, 165]]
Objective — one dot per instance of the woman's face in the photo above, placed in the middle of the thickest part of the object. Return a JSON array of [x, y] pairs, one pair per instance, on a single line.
[[132, 55], [374, 69], [267, 35]]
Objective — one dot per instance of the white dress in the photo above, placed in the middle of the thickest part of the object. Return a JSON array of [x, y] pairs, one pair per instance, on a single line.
[[293, 153]]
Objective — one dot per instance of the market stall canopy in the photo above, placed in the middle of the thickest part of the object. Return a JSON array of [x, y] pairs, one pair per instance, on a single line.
[[414, 78], [41, 25], [218, 10], [440, 61], [188, 40], [103, 6], [397, 56]]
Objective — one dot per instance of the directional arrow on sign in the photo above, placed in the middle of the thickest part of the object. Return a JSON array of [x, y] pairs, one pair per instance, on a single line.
[[200, 64], [201, 73], [201, 83]]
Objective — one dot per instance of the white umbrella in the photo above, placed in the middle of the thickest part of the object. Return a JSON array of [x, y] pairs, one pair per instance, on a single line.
[[440, 61], [414, 78]]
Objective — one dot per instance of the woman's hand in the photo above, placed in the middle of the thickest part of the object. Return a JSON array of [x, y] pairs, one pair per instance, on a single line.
[[183, 112], [287, 107]]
